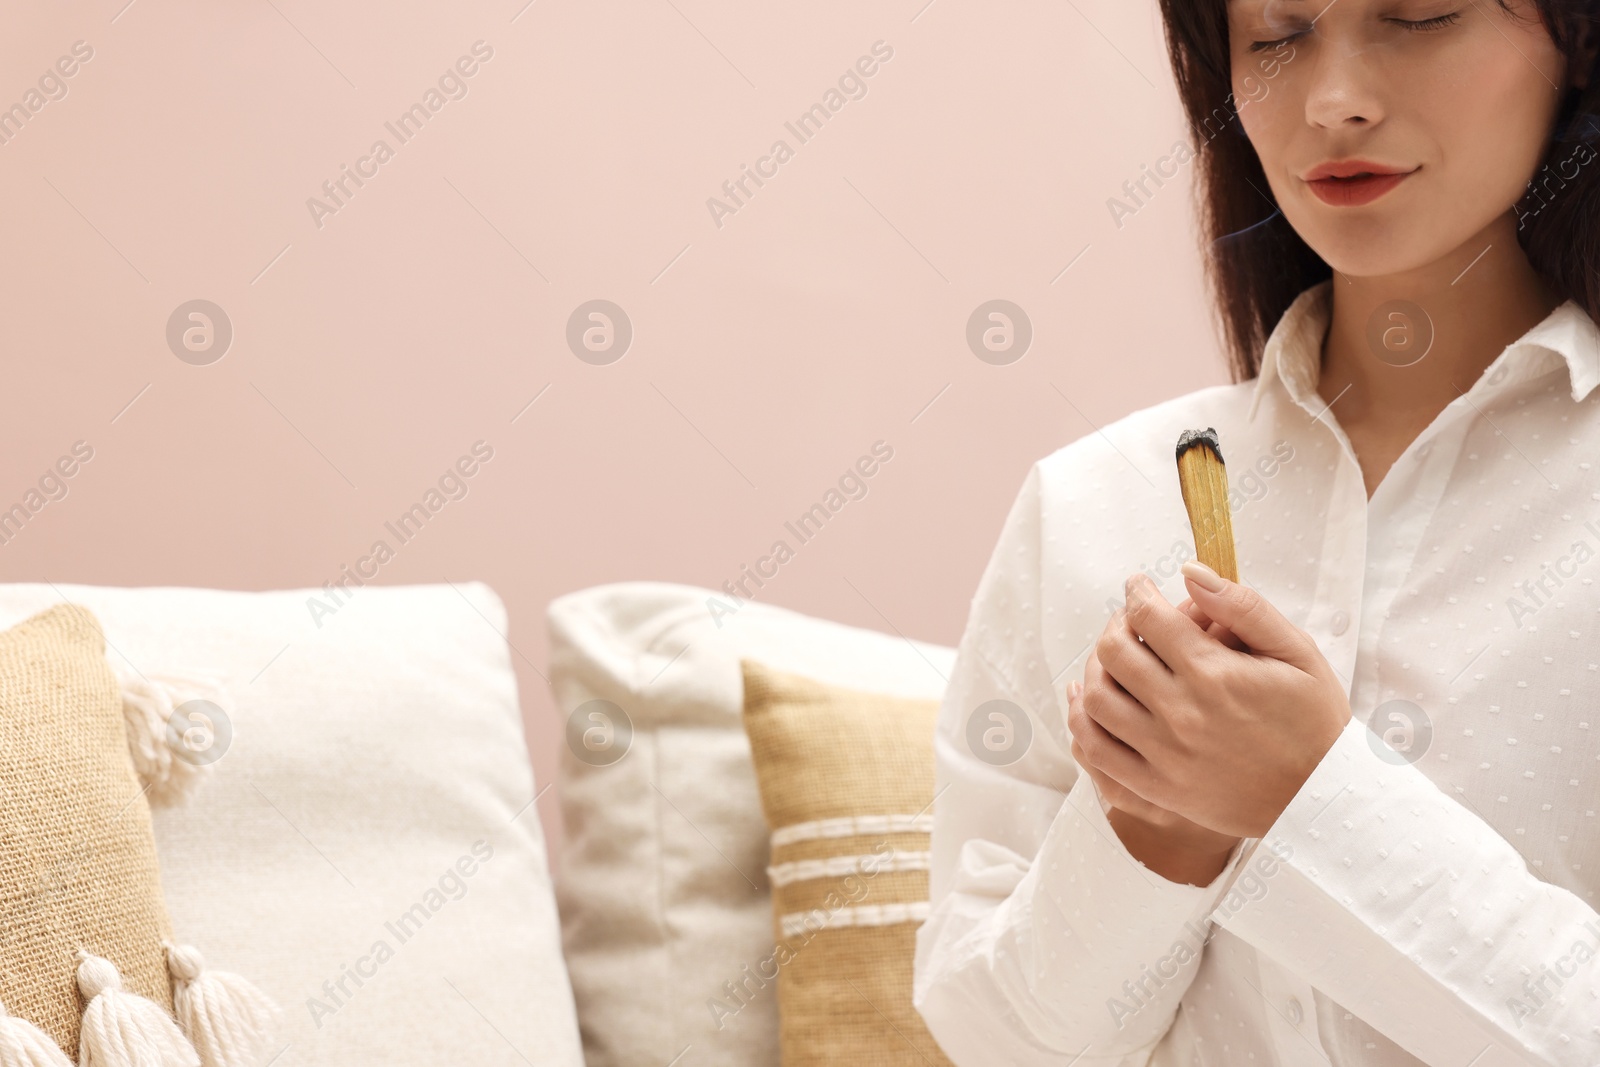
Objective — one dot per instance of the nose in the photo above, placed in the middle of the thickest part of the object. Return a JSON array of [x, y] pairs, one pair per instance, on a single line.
[[1345, 81]]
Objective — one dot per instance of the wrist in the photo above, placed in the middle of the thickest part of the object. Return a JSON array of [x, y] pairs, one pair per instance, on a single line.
[[1179, 852]]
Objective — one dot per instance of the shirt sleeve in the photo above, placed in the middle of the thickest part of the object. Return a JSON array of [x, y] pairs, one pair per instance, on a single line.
[[1415, 914], [1045, 934]]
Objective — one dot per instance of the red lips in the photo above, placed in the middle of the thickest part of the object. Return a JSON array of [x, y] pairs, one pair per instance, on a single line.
[[1353, 182]]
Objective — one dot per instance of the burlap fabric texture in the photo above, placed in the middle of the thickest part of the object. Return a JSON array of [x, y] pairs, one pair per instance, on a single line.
[[846, 782], [77, 859]]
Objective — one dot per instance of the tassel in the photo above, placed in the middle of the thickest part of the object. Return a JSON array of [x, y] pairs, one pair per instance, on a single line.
[[170, 774], [228, 1020], [121, 1029], [23, 1044]]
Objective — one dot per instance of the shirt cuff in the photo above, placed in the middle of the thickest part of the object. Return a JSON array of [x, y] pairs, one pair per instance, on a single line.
[[1095, 814], [1119, 914]]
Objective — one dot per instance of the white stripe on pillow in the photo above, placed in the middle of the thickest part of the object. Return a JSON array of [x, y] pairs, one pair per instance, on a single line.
[[839, 866], [795, 923], [853, 826]]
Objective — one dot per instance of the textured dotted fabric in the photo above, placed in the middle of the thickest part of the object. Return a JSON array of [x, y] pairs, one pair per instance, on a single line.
[[1430, 895], [77, 859]]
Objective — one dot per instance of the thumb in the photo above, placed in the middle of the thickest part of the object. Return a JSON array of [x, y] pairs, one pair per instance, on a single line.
[[1245, 612]]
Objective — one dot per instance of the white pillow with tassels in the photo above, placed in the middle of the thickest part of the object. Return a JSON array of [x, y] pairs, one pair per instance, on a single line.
[[79, 874], [342, 809]]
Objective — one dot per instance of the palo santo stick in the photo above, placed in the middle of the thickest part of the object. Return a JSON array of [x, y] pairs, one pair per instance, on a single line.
[[1204, 480]]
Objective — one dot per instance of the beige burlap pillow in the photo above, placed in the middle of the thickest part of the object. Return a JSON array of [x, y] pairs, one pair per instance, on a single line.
[[77, 858], [846, 781]]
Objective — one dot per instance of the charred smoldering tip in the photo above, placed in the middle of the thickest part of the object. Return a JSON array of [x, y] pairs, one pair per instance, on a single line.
[[1208, 437]]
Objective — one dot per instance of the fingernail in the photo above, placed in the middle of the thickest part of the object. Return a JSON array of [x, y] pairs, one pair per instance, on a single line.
[[1203, 576], [1074, 687]]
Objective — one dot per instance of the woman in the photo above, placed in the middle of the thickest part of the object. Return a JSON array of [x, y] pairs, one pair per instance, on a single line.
[[1348, 810]]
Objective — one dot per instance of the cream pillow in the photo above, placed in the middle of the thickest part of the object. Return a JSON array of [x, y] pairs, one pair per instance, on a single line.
[[666, 908]]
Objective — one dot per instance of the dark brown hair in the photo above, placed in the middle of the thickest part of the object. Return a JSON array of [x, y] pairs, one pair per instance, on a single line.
[[1257, 264]]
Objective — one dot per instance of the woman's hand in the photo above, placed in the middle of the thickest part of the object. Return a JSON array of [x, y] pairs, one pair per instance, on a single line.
[[1219, 726], [1164, 841], [1181, 831]]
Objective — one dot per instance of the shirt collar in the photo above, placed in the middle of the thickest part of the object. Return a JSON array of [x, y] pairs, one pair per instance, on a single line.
[[1293, 352]]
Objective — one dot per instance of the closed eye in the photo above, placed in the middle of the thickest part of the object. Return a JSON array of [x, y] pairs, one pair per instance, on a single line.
[[1271, 46], [1438, 22]]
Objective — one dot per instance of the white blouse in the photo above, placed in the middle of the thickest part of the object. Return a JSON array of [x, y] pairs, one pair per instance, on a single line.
[[1429, 897]]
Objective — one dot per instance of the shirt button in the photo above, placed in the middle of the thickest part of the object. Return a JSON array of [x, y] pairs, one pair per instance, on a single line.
[[1341, 623], [1295, 1014]]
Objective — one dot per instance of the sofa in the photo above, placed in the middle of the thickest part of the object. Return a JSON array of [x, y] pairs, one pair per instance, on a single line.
[[366, 849]]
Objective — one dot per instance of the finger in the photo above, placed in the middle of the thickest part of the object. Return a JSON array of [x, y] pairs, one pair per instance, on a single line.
[[1116, 795], [1095, 747], [1214, 629], [1112, 793], [1195, 612], [1080, 725], [1114, 710], [1227, 637], [1247, 613], [1132, 664], [1169, 632]]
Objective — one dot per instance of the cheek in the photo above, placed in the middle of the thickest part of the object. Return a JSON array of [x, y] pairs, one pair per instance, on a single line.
[[1489, 113], [1262, 120], [1271, 124]]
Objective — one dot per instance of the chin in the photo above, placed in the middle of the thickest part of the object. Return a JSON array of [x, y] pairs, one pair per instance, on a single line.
[[1374, 246]]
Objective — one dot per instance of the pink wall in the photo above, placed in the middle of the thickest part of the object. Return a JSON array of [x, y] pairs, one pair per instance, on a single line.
[[768, 353]]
